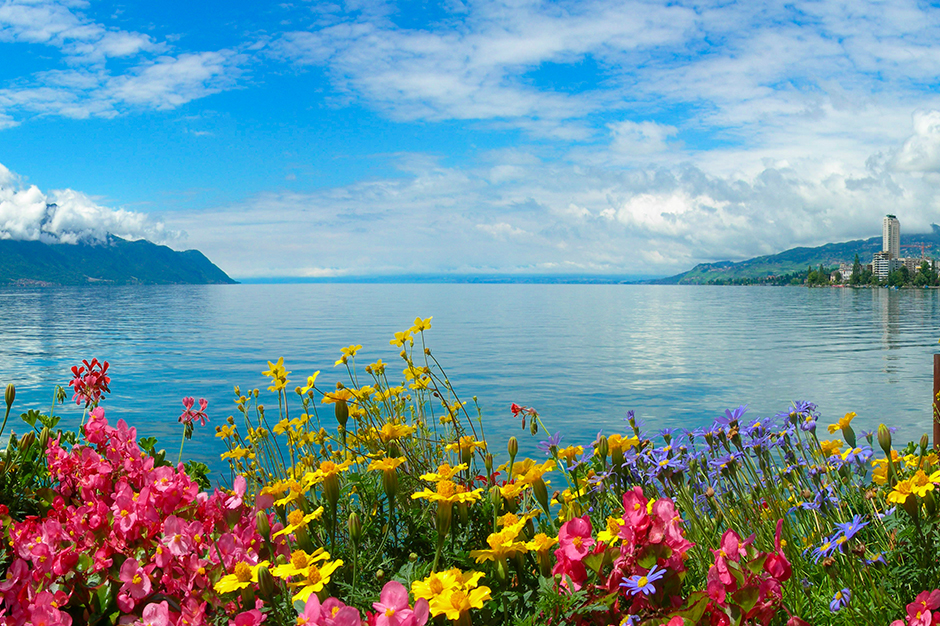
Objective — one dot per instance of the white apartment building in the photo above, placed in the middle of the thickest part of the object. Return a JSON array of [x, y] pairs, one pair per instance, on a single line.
[[891, 236]]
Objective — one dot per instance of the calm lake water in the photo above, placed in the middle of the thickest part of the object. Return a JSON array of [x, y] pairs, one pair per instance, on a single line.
[[581, 354]]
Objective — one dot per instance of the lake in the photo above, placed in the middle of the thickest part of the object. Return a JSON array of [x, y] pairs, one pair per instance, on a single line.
[[583, 355]]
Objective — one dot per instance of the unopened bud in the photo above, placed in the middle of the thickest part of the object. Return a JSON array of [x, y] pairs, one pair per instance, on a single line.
[[534, 426], [44, 438], [263, 524], [540, 491], [884, 439], [380, 575], [602, 447], [341, 410], [413, 557], [266, 583], [924, 442], [10, 395], [27, 440], [710, 493], [355, 528], [513, 447], [488, 463], [390, 483]]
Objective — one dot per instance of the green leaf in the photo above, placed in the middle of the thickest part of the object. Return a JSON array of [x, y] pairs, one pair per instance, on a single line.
[[595, 562], [756, 566], [695, 607], [746, 598], [30, 417]]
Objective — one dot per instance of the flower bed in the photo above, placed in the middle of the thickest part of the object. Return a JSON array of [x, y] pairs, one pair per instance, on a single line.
[[380, 502]]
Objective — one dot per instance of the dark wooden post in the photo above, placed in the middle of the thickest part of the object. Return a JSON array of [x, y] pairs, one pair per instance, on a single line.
[[936, 401]]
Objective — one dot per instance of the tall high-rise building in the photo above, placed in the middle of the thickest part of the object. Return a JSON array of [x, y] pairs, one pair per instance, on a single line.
[[891, 236]]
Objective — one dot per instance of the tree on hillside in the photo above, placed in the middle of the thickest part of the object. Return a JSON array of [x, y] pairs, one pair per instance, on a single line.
[[856, 277], [925, 275]]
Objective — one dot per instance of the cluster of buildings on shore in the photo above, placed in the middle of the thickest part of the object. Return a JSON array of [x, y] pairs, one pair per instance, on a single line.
[[889, 258]]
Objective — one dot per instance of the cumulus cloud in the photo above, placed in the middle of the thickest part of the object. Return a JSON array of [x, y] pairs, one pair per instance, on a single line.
[[66, 216], [150, 76], [921, 151]]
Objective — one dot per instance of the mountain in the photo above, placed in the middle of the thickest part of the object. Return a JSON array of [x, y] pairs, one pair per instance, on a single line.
[[112, 262], [798, 259]]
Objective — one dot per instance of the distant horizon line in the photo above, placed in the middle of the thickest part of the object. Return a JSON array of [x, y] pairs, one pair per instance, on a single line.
[[480, 278]]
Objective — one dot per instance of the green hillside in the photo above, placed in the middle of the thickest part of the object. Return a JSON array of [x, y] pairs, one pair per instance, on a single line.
[[798, 259], [115, 262]]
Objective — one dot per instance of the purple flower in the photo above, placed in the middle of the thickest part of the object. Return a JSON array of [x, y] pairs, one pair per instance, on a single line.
[[840, 600], [637, 583], [824, 550], [553, 441], [731, 416], [851, 528]]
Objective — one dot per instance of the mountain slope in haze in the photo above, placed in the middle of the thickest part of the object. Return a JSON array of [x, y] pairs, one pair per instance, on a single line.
[[114, 262], [798, 259]]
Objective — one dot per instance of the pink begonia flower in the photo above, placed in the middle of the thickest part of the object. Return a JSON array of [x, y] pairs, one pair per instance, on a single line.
[[574, 538], [136, 585], [335, 613], [44, 611], [777, 564], [635, 516], [311, 613], [235, 500], [394, 610], [248, 618], [155, 615]]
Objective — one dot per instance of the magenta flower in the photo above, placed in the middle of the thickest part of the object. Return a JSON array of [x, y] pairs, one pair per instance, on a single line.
[[188, 415], [249, 618], [136, 585], [155, 615], [90, 381], [574, 538], [393, 608]]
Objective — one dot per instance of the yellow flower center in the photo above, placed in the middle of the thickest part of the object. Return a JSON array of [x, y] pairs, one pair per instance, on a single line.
[[446, 488], [389, 612], [137, 579], [458, 599], [642, 582], [577, 541], [436, 586], [295, 517], [298, 560], [243, 572], [313, 576], [328, 467]]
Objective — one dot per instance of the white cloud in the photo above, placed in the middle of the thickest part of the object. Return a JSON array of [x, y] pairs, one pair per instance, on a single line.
[[66, 216], [921, 152]]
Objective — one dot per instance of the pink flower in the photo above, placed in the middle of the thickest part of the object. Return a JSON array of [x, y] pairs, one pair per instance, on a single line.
[[635, 516], [89, 381], [393, 608], [136, 585], [249, 618], [155, 615], [574, 538], [919, 611], [777, 564], [188, 415]]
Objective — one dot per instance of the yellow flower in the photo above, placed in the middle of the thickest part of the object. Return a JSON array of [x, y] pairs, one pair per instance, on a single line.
[[238, 452], [448, 491], [278, 373], [297, 519], [225, 431], [466, 443], [436, 584], [830, 448], [421, 325], [901, 492], [444, 472], [334, 396], [542, 543], [401, 338], [244, 575], [390, 431], [920, 484], [326, 469], [315, 579], [300, 563], [348, 353], [310, 382], [503, 544], [618, 442], [294, 491], [535, 472], [456, 602], [386, 464], [843, 423], [512, 490], [571, 452], [611, 534]]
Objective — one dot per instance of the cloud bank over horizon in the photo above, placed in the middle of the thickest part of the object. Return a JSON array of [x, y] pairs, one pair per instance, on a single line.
[[66, 216]]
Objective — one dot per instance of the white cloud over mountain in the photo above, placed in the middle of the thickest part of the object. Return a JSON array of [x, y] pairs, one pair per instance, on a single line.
[[66, 216]]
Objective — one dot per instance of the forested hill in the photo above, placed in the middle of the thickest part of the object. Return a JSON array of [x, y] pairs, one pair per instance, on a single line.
[[798, 259], [115, 262]]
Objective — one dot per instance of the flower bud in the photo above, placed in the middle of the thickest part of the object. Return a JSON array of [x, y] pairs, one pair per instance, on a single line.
[[263, 525], [924, 443], [496, 497], [540, 491], [534, 426], [44, 438], [884, 439], [355, 528], [603, 447], [513, 446], [266, 583], [930, 502], [390, 484], [445, 514], [413, 557], [341, 410], [10, 395], [27, 440], [488, 463], [380, 575]]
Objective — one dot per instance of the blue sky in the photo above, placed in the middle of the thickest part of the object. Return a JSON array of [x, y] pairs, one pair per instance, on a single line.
[[329, 139]]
